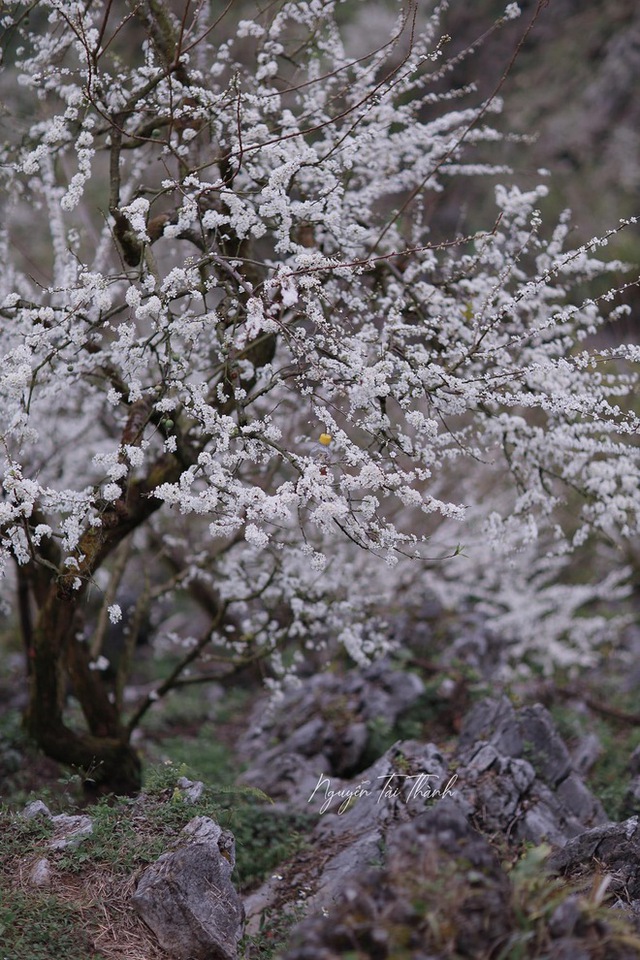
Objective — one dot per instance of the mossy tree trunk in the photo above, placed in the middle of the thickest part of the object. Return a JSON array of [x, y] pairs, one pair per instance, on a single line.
[[59, 662], [59, 657]]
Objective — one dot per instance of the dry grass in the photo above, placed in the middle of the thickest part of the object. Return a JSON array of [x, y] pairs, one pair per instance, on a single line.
[[101, 900]]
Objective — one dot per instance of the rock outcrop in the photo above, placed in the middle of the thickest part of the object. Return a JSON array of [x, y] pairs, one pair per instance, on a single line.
[[323, 726], [187, 897], [410, 844]]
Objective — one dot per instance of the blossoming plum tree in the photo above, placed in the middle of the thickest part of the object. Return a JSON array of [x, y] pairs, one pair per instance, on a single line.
[[235, 351]]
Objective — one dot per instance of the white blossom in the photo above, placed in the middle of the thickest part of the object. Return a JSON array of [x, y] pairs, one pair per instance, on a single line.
[[115, 613], [100, 663]]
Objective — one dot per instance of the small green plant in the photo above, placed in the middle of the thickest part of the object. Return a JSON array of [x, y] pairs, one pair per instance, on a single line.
[[204, 755], [535, 898], [273, 935]]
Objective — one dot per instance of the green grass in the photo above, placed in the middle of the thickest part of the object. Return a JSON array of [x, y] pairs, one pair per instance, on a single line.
[[264, 837], [205, 757], [37, 926]]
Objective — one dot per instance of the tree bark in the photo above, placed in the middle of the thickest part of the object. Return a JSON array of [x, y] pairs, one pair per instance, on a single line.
[[104, 757], [59, 659]]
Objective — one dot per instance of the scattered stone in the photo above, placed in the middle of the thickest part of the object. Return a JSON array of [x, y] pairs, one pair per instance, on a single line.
[[187, 897], [69, 831], [40, 873], [192, 790], [36, 809]]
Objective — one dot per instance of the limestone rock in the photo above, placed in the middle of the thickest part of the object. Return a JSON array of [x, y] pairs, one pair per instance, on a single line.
[[586, 753], [529, 733], [378, 913], [517, 774], [192, 790], [40, 873], [187, 897], [615, 847], [355, 817], [70, 831], [323, 727], [511, 776], [36, 809]]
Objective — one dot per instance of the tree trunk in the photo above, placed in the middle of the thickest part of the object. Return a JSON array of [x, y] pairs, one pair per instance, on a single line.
[[104, 756], [59, 658]]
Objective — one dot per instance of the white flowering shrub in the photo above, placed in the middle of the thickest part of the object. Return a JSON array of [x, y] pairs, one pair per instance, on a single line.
[[232, 349]]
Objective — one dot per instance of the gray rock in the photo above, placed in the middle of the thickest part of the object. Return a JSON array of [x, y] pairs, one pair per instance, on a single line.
[[325, 720], [530, 733], [634, 762], [571, 948], [586, 753], [495, 722], [631, 802], [36, 809], [69, 831], [578, 800], [286, 776], [513, 776], [615, 847], [542, 745], [516, 772], [541, 823], [192, 790], [376, 915], [40, 873], [187, 897], [523, 775], [354, 822], [486, 757], [387, 839], [564, 919]]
